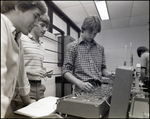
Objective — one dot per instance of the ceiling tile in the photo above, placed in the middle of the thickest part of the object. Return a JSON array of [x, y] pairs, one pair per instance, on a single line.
[[120, 22], [64, 4], [139, 20], [85, 2], [76, 13], [90, 9], [106, 24], [79, 25], [118, 9], [140, 8], [122, 13]]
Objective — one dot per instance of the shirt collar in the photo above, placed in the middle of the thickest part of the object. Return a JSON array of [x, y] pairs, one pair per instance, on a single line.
[[32, 38], [11, 26], [93, 42]]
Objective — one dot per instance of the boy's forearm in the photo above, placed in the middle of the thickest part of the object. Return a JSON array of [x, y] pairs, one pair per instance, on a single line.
[[71, 78], [106, 73], [26, 99]]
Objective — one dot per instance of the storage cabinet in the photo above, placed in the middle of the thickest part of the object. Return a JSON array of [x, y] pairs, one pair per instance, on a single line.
[[63, 87]]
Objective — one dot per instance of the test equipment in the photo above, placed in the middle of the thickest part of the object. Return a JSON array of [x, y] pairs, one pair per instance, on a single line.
[[87, 104]]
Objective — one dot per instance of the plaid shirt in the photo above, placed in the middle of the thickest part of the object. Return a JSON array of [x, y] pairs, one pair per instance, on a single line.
[[84, 62]]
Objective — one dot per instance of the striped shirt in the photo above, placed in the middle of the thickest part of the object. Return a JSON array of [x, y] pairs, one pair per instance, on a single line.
[[33, 55], [84, 62]]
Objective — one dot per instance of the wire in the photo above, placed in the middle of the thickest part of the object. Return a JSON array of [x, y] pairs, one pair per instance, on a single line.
[[106, 102]]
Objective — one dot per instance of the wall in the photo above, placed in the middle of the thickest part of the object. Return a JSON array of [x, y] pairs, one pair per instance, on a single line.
[[51, 61], [114, 42], [59, 23], [63, 26], [73, 33]]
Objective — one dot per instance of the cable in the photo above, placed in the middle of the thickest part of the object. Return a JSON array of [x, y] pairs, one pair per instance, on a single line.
[[106, 102]]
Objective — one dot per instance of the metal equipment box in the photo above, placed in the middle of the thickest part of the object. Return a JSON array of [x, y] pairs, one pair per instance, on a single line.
[[139, 108], [121, 92], [86, 105]]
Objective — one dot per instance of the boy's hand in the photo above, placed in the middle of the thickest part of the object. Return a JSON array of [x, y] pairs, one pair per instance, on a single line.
[[49, 74], [86, 86]]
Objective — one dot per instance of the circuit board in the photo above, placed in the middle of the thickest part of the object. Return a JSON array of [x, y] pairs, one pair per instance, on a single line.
[[101, 92]]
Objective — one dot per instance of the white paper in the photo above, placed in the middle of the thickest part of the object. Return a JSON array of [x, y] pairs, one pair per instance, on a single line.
[[42, 107]]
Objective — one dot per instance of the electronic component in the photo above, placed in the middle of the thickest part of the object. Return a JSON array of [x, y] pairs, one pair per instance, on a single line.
[[121, 92], [92, 104]]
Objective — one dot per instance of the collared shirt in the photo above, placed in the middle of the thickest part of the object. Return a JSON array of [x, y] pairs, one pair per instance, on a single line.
[[12, 65], [145, 62], [84, 62], [33, 54]]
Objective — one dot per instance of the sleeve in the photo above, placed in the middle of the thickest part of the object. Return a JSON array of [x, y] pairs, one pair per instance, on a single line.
[[43, 46], [143, 61], [4, 44], [24, 40], [23, 83], [69, 59], [25, 43], [143, 66], [103, 59]]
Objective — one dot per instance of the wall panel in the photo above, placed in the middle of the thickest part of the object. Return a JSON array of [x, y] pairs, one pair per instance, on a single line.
[[50, 42], [114, 41]]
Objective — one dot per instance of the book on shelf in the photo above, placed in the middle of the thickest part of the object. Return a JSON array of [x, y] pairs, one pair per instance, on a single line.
[[40, 108]]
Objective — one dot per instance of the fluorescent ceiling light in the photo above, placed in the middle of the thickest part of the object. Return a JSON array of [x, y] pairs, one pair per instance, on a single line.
[[102, 9]]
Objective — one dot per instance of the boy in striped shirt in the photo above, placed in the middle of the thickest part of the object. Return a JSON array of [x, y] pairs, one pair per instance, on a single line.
[[34, 56]]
